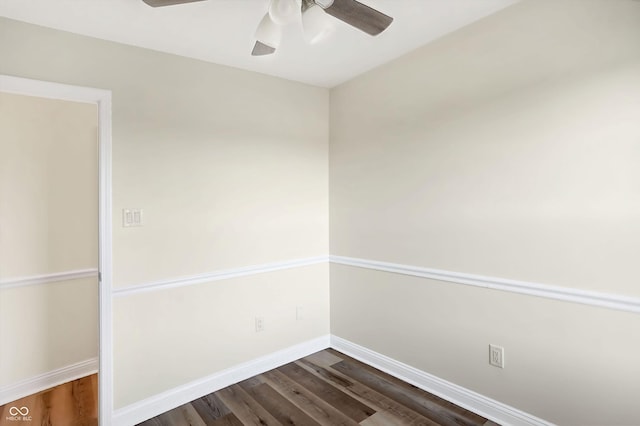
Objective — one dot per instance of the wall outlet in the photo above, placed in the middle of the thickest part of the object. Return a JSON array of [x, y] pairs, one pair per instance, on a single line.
[[259, 324], [496, 356]]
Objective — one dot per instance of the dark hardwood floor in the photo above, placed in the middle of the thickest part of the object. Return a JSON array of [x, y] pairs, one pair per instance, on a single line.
[[326, 388], [70, 404]]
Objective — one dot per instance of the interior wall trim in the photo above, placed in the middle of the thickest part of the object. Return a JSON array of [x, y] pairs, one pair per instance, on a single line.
[[218, 275], [48, 278], [465, 398], [48, 380], [172, 398], [567, 294], [102, 99]]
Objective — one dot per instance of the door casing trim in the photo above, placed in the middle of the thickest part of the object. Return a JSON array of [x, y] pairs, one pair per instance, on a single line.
[[102, 99]]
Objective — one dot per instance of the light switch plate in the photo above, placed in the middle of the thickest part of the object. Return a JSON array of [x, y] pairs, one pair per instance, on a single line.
[[131, 217]]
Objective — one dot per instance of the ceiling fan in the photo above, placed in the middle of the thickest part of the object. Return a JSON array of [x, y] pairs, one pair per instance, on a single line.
[[314, 19]]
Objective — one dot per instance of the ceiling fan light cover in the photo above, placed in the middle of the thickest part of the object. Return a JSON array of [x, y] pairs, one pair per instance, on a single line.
[[315, 24], [268, 32], [283, 12]]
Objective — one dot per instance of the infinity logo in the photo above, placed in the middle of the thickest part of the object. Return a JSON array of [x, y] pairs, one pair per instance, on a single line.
[[14, 411]]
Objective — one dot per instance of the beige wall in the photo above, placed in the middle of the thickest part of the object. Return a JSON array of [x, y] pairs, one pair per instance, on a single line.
[[230, 168], [507, 149], [205, 328], [47, 327], [48, 224]]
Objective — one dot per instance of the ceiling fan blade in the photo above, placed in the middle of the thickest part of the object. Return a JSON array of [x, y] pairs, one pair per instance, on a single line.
[[261, 49], [159, 3], [359, 15]]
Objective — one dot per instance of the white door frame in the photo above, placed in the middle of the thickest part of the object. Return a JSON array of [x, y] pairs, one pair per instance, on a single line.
[[102, 99]]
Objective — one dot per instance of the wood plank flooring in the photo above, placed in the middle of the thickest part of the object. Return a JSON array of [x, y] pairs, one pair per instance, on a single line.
[[70, 404], [327, 388]]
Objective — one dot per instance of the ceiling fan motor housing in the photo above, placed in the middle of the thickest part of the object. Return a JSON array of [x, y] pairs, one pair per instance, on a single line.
[[324, 3]]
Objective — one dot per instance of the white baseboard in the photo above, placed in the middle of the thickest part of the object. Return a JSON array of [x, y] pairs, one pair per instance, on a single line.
[[472, 401], [48, 380], [168, 400], [479, 404]]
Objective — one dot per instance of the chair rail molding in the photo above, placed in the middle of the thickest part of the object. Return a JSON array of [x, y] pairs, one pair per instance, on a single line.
[[219, 275], [567, 294], [48, 278]]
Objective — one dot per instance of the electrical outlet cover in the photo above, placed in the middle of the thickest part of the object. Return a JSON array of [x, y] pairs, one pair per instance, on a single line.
[[259, 324], [496, 356]]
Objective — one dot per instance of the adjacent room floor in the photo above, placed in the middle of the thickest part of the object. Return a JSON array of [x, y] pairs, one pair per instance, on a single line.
[[326, 388], [70, 404]]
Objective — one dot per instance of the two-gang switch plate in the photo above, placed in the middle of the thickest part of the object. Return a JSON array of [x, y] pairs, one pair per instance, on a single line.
[[131, 217]]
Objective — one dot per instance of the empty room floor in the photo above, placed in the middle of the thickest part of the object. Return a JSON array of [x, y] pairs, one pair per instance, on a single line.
[[325, 388]]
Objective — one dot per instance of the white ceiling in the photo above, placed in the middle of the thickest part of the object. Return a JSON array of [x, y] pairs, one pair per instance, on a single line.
[[221, 31]]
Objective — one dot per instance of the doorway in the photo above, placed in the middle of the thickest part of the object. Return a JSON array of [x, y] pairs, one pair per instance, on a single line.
[[55, 251]]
